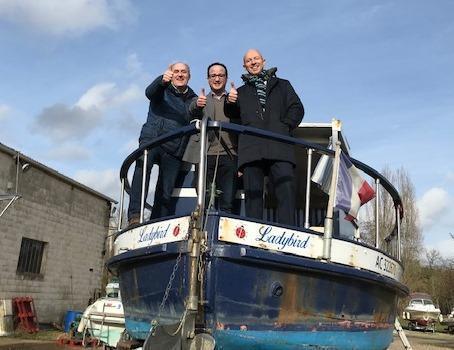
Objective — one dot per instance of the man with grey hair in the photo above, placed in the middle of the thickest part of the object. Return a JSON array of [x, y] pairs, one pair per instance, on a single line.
[[170, 97]]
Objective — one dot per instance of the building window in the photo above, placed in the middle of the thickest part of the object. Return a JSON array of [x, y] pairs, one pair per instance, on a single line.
[[30, 257]]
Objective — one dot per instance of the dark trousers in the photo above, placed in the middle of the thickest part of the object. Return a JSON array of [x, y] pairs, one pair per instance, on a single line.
[[225, 183], [169, 167], [282, 179]]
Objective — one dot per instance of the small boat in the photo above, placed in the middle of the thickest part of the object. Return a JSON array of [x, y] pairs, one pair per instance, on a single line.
[[448, 321], [421, 312], [104, 319], [204, 279]]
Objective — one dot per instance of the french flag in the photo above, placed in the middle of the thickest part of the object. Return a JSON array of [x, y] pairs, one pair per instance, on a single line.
[[352, 190]]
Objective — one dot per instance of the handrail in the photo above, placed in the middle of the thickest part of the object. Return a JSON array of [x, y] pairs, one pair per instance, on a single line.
[[246, 130], [241, 129], [185, 130]]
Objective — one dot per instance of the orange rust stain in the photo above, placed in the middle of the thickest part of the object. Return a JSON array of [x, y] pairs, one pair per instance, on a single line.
[[288, 312], [380, 317]]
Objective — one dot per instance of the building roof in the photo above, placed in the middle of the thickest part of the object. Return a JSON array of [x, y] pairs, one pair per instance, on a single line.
[[53, 172]]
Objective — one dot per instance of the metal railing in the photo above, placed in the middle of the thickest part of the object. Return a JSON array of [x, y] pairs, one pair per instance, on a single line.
[[391, 241]]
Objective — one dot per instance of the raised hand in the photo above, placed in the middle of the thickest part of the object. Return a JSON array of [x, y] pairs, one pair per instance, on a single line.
[[202, 99], [168, 74], [233, 94]]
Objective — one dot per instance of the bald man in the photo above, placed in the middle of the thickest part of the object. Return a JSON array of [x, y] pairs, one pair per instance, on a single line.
[[269, 103], [170, 97]]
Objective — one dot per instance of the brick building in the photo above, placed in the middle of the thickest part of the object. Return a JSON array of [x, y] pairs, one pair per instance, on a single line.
[[52, 236]]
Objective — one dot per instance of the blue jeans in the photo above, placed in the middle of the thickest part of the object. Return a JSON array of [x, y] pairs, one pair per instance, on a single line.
[[169, 167]]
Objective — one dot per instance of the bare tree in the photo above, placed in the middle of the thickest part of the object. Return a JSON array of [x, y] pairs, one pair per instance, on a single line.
[[411, 235], [424, 271]]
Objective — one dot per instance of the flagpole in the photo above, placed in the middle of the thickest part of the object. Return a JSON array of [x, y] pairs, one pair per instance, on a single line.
[[328, 230]]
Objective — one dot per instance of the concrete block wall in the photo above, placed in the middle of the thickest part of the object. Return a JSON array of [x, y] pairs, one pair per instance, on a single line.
[[74, 224]]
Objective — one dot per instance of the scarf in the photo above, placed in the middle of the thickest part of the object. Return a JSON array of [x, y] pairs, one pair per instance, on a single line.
[[259, 81]]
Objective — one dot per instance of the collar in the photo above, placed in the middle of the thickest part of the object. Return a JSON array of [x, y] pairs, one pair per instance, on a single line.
[[224, 93], [178, 91], [264, 75]]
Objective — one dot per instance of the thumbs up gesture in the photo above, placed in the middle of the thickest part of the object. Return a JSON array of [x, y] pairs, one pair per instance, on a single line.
[[233, 94], [168, 74], [202, 99]]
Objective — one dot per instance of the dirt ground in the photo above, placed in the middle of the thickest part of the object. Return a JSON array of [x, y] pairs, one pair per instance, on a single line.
[[424, 341]]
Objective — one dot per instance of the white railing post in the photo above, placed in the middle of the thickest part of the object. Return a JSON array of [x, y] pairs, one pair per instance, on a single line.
[[201, 186], [398, 232], [328, 230], [122, 199], [377, 211], [308, 188], [144, 179]]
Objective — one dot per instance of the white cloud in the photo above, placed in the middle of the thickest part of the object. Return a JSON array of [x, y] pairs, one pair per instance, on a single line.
[[106, 95], [130, 146], [450, 176], [109, 185], [132, 93], [432, 205], [71, 151], [133, 64], [68, 17], [97, 96], [62, 123], [445, 247], [4, 111]]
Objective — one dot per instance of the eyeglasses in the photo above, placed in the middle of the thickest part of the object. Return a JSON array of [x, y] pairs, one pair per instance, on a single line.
[[214, 76]]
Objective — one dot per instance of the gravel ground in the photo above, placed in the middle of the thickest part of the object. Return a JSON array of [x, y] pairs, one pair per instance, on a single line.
[[425, 341]]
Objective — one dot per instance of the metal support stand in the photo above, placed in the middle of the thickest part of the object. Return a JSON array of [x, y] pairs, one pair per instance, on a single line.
[[11, 199], [402, 335]]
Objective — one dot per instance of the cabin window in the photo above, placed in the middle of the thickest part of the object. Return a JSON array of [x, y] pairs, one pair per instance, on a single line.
[[30, 257]]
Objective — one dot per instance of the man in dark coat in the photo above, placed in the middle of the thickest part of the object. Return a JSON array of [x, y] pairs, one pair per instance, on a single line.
[[270, 103], [170, 97]]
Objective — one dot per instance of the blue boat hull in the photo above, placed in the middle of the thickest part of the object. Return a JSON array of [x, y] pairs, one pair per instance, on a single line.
[[292, 340], [259, 299]]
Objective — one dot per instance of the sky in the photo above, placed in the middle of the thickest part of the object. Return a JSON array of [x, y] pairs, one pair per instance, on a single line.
[[73, 75]]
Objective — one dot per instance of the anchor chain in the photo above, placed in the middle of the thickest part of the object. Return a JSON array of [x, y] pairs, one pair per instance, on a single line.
[[155, 322]]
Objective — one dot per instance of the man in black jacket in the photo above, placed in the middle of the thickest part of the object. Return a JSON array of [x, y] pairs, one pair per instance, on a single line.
[[270, 103], [170, 97]]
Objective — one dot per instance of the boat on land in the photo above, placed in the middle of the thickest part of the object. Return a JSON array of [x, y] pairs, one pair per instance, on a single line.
[[421, 312], [448, 321], [204, 279], [104, 319]]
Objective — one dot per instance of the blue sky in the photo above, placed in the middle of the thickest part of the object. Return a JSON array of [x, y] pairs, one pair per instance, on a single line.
[[73, 75]]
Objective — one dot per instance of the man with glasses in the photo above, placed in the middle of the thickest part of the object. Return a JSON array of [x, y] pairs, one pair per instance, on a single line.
[[170, 97], [222, 149], [270, 103]]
